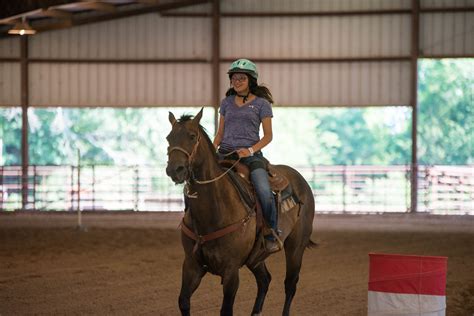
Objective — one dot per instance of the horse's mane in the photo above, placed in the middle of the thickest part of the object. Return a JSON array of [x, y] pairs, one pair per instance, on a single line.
[[188, 117]]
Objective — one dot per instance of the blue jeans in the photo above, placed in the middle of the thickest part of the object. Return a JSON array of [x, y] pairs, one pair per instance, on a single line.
[[259, 178]]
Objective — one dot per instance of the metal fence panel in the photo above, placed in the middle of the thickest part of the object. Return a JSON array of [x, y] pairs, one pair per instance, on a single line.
[[337, 189]]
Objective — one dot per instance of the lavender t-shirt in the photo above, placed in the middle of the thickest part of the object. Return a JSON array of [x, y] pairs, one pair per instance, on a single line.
[[242, 124]]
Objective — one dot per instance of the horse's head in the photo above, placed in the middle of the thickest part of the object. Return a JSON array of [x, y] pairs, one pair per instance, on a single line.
[[183, 143]]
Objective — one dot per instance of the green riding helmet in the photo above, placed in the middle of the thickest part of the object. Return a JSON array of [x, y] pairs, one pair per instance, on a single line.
[[245, 66]]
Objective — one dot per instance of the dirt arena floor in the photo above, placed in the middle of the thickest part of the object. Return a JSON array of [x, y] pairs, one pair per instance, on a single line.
[[129, 264]]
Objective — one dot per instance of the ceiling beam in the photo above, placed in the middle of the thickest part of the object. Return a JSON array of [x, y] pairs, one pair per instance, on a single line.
[[10, 21], [319, 13], [91, 5], [148, 2], [56, 13], [118, 15], [291, 14], [326, 60], [38, 13]]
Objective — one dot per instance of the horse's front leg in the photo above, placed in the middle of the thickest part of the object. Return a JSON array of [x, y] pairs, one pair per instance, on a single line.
[[192, 275], [230, 283]]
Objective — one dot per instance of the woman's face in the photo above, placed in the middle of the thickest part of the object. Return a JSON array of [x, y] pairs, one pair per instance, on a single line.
[[240, 83]]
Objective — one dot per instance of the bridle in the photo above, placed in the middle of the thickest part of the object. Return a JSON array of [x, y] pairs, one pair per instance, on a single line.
[[191, 157]]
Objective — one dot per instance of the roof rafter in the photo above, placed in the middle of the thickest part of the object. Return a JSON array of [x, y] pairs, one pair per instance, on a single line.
[[90, 5], [45, 19]]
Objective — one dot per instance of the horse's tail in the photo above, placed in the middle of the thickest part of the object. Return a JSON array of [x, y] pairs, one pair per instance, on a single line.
[[311, 244]]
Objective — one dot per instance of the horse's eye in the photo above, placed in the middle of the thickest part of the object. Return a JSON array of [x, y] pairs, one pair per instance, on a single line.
[[192, 136]]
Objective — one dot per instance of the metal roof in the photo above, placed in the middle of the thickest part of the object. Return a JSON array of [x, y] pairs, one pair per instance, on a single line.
[[59, 14]]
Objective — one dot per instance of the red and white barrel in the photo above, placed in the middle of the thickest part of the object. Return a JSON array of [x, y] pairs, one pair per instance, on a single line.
[[407, 285]]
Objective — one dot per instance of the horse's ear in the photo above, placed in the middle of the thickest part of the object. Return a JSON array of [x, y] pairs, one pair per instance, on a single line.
[[171, 118], [198, 117]]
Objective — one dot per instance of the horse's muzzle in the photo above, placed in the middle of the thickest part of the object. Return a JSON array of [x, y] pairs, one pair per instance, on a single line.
[[177, 173]]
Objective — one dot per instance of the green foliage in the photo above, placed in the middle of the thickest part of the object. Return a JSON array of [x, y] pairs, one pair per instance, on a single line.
[[103, 135], [446, 112], [10, 136], [361, 137], [338, 136]]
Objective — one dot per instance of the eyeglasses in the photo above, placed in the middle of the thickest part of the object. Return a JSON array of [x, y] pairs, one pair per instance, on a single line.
[[238, 77]]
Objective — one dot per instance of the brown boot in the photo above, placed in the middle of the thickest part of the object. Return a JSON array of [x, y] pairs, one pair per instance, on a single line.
[[272, 246], [273, 243]]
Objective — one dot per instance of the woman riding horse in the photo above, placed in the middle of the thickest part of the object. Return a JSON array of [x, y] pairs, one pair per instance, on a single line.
[[219, 231], [247, 106]]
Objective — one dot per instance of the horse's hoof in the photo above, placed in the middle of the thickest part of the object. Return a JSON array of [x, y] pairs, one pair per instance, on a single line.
[[259, 314]]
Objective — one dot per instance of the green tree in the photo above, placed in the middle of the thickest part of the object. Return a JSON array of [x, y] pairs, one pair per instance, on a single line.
[[446, 112], [365, 136], [112, 136], [10, 136]]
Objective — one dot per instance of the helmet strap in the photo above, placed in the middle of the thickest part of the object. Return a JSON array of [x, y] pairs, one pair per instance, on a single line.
[[244, 97]]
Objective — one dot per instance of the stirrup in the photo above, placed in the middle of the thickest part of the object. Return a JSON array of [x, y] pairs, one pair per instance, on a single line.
[[276, 235], [272, 246]]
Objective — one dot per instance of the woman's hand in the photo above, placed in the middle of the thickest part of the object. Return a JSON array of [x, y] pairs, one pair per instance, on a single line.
[[243, 153]]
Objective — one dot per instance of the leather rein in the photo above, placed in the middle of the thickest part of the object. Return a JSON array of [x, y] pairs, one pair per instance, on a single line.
[[201, 239], [191, 159]]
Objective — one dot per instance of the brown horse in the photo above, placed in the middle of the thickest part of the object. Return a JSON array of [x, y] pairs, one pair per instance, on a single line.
[[218, 230]]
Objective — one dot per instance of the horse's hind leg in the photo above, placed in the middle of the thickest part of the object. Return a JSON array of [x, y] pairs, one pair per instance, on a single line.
[[263, 278], [230, 283], [192, 275], [294, 256]]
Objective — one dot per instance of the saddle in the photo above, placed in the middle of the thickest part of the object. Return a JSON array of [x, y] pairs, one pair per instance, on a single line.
[[279, 184]]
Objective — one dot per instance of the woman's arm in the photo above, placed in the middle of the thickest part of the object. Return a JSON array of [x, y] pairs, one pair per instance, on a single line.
[[266, 139], [220, 132]]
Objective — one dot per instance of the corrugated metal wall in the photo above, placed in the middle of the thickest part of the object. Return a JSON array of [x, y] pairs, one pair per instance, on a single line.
[[10, 92], [124, 84], [82, 84], [10, 83], [447, 33], [322, 84], [10, 47], [445, 3], [146, 36], [335, 84], [132, 81], [309, 37]]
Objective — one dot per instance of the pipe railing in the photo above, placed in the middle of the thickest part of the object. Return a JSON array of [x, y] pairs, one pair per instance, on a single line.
[[339, 189]]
